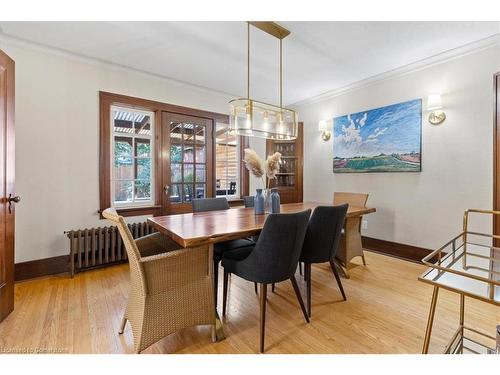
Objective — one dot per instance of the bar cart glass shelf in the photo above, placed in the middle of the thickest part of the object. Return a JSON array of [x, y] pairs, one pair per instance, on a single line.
[[469, 265]]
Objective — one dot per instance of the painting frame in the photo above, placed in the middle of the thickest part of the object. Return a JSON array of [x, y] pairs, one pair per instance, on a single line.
[[390, 162]]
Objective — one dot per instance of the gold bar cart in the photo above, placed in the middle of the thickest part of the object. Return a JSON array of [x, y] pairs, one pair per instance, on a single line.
[[469, 265]]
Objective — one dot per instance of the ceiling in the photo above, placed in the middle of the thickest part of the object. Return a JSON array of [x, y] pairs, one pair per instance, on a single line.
[[318, 56]]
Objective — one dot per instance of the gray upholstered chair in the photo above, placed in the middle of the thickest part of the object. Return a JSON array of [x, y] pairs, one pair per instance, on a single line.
[[248, 201], [322, 241], [272, 259], [216, 204]]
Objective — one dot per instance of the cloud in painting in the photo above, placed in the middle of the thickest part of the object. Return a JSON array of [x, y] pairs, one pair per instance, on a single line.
[[394, 129], [362, 121], [378, 132]]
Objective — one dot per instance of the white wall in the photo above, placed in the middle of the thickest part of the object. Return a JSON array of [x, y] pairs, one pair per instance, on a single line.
[[57, 143], [57, 139], [422, 209]]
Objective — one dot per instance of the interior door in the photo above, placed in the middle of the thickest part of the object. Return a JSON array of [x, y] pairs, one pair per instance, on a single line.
[[7, 197], [187, 161]]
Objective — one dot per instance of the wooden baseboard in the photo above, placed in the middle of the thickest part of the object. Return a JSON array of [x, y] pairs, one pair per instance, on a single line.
[[398, 250], [41, 267], [60, 264]]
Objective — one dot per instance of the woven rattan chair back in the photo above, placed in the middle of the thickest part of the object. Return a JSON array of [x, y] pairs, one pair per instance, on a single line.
[[133, 254]]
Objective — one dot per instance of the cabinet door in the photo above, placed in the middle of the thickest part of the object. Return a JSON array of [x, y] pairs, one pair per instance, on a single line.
[[289, 178]]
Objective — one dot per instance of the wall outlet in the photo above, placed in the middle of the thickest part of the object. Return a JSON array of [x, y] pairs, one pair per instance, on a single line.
[[364, 224]]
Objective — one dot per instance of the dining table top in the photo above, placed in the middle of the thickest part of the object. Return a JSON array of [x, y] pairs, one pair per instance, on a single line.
[[193, 229]]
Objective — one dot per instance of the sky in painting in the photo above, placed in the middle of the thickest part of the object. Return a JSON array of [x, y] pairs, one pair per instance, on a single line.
[[392, 129]]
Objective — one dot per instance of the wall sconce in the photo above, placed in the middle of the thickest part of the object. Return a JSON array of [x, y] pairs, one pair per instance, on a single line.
[[434, 104], [323, 128]]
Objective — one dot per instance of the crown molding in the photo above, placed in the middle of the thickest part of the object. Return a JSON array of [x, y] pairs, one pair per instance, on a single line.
[[470, 48], [26, 44], [455, 53]]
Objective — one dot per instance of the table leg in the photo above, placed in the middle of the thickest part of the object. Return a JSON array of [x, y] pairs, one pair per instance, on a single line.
[[217, 328], [430, 320]]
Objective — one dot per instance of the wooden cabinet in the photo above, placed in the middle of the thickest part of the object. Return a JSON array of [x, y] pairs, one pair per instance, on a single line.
[[289, 177]]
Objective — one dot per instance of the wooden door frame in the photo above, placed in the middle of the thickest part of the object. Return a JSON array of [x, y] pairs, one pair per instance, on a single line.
[[496, 154], [164, 174], [106, 100], [7, 164]]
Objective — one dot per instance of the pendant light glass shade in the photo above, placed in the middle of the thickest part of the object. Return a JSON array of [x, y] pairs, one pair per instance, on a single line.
[[256, 119], [251, 118]]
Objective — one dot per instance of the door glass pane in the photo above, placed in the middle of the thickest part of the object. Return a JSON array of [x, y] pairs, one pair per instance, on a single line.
[[188, 173], [200, 191], [143, 190], [175, 193], [188, 192], [175, 153], [200, 154], [143, 168], [123, 191], [175, 133], [188, 156], [188, 133], [175, 173], [200, 133], [200, 172]]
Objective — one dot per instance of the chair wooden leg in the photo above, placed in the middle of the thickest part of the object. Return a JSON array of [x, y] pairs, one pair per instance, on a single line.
[[337, 277], [263, 296], [300, 268], [307, 271], [216, 282], [255, 286], [122, 325], [299, 297], [272, 288], [364, 260], [224, 292]]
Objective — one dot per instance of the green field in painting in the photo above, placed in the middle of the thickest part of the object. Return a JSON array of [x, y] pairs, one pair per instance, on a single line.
[[381, 163]]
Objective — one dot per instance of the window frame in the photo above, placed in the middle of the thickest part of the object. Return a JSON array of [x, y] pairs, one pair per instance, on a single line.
[[239, 153], [106, 101], [153, 151]]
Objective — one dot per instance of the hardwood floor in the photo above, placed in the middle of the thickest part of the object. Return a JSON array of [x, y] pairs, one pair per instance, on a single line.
[[385, 312]]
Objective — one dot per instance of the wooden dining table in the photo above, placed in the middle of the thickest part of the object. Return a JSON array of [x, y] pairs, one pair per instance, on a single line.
[[194, 229]]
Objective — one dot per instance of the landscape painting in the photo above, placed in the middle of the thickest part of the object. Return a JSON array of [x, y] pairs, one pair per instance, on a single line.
[[386, 139]]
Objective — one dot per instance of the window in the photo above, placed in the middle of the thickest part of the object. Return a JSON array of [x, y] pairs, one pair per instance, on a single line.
[[132, 162], [156, 157], [227, 163]]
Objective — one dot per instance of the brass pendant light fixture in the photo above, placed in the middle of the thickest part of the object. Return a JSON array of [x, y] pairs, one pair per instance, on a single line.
[[253, 118]]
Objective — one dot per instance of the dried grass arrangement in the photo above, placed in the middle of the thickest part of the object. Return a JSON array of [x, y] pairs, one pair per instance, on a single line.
[[254, 164], [272, 166], [260, 169]]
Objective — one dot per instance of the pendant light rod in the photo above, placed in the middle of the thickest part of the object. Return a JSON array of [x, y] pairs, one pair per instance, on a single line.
[[281, 74], [248, 60]]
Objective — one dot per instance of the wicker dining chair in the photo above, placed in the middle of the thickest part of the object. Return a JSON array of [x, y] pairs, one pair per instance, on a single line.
[[170, 286]]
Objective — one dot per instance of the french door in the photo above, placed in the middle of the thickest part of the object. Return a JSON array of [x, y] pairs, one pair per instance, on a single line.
[[7, 196], [187, 161]]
